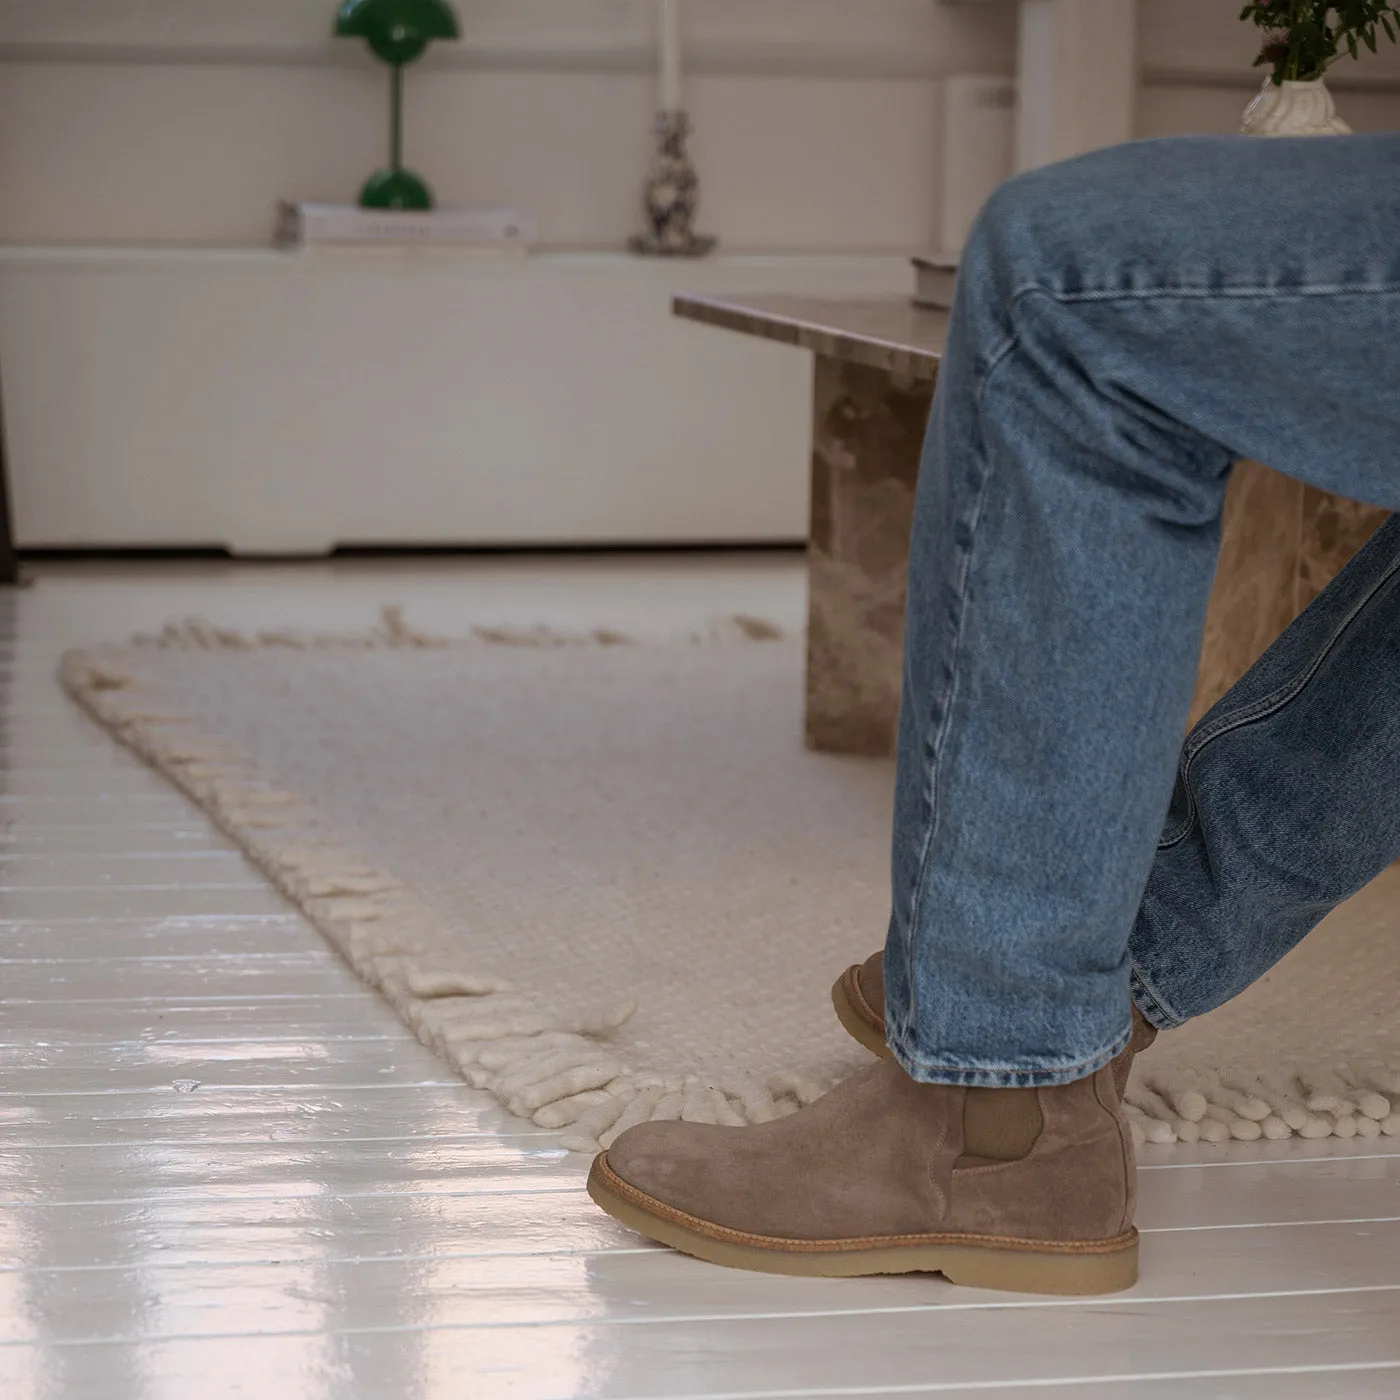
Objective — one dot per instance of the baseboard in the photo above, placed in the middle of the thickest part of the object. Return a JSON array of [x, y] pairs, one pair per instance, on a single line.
[[177, 554]]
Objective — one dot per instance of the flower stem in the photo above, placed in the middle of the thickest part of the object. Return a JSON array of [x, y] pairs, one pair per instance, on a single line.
[[1295, 42]]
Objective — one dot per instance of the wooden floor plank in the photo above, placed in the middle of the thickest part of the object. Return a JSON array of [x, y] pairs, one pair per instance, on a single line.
[[637, 1287], [427, 1342], [330, 1215]]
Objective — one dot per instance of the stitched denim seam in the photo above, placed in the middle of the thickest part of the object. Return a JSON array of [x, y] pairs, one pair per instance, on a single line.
[[933, 746], [1006, 1069], [1190, 824], [1098, 1061], [1267, 705], [1210, 293], [1144, 984]]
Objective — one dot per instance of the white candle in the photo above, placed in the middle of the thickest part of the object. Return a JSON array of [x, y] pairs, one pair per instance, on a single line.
[[670, 55]]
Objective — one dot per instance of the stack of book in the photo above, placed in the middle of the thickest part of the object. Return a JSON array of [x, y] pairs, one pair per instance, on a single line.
[[935, 278], [348, 226]]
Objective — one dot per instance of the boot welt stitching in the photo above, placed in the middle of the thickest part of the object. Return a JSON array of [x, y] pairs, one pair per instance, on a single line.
[[610, 1180]]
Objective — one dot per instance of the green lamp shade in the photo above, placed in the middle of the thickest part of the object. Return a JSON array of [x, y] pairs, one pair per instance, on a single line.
[[397, 30]]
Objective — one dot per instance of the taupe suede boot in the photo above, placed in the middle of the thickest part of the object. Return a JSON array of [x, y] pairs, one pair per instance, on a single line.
[[1025, 1189], [859, 999]]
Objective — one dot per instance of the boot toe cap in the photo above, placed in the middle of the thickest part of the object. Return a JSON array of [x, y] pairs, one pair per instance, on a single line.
[[666, 1160]]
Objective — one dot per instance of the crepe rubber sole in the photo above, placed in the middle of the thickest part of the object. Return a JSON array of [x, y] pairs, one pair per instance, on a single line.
[[1018, 1266], [861, 1021]]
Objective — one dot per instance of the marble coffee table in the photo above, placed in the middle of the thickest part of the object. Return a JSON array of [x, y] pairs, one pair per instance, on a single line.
[[876, 365]]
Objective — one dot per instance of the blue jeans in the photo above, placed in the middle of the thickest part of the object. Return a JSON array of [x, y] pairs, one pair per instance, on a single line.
[[1127, 326]]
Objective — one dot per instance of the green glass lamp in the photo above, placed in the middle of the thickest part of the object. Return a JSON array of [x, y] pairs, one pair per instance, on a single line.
[[398, 31]]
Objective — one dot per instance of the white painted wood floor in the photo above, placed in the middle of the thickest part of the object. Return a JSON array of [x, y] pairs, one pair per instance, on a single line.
[[328, 1214]]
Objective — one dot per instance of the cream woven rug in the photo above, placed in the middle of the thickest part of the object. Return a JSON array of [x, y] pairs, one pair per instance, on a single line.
[[605, 881]]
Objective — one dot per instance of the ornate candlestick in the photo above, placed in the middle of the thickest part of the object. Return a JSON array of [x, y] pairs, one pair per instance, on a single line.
[[671, 196], [672, 193]]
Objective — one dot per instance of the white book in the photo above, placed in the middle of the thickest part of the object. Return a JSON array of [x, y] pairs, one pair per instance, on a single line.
[[935, 279], [347, 225]]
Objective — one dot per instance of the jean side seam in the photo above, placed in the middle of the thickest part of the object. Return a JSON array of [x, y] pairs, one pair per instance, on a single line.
[[933, 746]]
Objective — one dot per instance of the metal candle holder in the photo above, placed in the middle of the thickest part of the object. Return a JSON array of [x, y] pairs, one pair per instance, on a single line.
[[671, 196]]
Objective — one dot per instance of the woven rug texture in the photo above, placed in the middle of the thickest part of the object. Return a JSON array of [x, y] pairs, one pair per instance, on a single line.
[[605, 881]]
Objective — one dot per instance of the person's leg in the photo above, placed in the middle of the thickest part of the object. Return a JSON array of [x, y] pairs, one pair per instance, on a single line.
[[1287, 802], [1127, 326], [1287, 798]]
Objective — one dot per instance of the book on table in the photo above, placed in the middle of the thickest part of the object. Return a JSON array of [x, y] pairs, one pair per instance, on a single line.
[[935, 277]]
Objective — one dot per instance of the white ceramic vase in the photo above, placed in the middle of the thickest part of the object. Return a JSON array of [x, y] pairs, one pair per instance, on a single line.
[[1294, 109]]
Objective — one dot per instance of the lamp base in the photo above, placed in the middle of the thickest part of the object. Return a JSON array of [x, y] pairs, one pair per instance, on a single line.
[[395, 188]]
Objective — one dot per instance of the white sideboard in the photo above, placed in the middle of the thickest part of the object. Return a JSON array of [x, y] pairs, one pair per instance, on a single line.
[[280, 403]]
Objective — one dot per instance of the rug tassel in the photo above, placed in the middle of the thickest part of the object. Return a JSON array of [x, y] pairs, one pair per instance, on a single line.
[[1157, 1108], [545, 1067], [637, 1111], [756, 1103], [1152, 1129], [594, 1129], [431, 984], [563, 1085], [562, 1112]]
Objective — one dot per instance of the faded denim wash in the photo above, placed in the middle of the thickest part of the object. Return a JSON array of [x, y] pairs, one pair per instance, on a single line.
[[1127, 326]]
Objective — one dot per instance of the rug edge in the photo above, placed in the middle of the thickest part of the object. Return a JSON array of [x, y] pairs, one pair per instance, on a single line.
[[548, 1069]]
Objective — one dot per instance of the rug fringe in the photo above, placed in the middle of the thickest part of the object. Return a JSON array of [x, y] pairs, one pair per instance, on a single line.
[[393, 632], [555, 1070]]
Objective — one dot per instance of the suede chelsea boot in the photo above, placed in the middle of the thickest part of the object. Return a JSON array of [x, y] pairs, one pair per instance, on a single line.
[[1031, 1190], [859, 999]]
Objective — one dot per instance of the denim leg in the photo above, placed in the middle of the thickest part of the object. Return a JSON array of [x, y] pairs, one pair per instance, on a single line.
[[1127, 326], [1287, 798]]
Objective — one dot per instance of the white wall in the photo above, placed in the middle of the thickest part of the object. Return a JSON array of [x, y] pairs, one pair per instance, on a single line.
[[273, 403], [197, 397], [1196, 73], [183, 121], [162, 122]]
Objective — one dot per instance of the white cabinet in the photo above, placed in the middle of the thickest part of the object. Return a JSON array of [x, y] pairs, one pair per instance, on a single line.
[[275, 403]]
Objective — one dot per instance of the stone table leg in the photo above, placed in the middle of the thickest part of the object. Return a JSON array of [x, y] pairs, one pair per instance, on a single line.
[[1254, 595], [868, 430], [1282, 543]]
